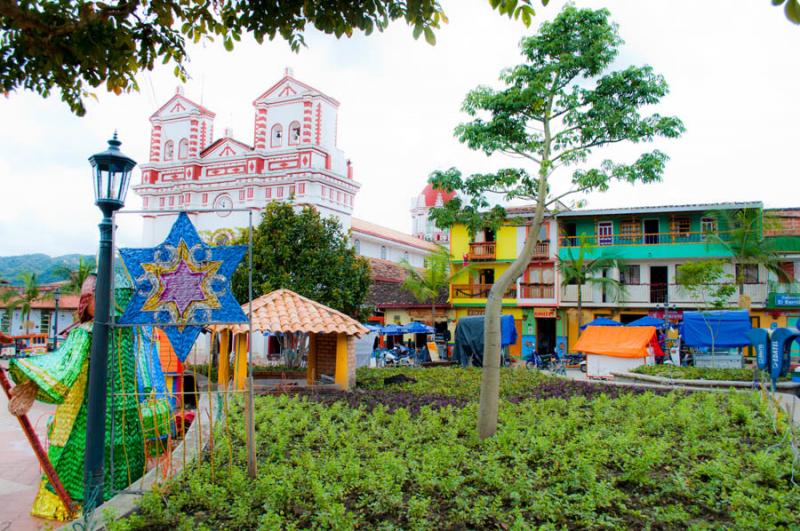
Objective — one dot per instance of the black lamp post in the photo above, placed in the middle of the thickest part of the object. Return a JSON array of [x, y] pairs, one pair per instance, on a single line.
[[56, 298], [112, 172]]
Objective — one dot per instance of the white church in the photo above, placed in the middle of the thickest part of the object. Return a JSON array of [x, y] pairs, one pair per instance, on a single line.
[[293, 156]]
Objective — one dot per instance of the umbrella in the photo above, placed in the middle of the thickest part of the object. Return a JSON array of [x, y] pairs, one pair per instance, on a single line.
[[647, 321], [416, 327], [392, 330], [373, 328], [602, 321]]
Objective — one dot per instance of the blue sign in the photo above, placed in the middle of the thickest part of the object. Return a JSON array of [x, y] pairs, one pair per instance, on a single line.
[[787, 299], [528, 346]]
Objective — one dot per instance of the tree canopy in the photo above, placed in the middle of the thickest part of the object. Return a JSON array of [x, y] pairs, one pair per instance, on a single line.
[[308, 254], [556, 109], [75, 45]]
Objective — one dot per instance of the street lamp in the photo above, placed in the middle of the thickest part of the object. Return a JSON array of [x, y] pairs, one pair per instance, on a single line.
[[56, 298], [111, 172]]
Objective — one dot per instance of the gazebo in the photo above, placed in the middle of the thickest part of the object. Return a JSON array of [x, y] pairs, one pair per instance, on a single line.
[[331, 336]]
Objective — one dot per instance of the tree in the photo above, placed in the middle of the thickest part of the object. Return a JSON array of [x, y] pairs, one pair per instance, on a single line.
[[75, 277], [73, 45], [706, 280], [791, 8], [740, 232], [427, 284], [582, 271], [556, 109], [308, 254], [23, 299]]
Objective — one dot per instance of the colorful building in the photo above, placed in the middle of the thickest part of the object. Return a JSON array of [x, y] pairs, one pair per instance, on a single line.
[[648, 244], [479, 259]]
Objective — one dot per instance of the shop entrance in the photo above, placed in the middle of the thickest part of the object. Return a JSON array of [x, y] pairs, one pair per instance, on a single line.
[[545, 335]]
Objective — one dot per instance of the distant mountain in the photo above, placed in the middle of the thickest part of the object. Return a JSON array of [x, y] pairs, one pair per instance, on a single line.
[[44, 266]]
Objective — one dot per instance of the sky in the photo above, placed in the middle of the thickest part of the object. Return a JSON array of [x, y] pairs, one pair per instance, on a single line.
[[732, 67]]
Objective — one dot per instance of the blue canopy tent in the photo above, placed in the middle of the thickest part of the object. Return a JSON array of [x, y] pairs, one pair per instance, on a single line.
[[392, 330], [416, 327], [372, 327], [717, 329], [647, 321], [601, 321]]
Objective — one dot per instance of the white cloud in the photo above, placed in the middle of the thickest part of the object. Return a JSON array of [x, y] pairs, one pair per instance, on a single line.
[[732, 68]]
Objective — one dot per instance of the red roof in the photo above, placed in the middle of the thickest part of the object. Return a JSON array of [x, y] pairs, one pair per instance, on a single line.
[[436, 197], [66, 302]]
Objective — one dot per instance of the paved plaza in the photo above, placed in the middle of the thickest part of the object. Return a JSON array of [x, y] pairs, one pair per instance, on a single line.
[[19, 469]]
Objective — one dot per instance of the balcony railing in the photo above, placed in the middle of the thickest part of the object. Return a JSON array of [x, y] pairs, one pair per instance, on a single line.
[[650, 294], [656, 238], [536, 291], [542, 249], [477, 291], [482, 251]]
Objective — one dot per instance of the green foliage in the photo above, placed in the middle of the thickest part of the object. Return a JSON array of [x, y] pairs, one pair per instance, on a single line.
[[76, 275], [76, 45], [47, 268], [462, 383], [791, 9], [700, 460], [706, 280], [556, 109], [23, 298], [429, 283], [741, 232], [306, 253], [697, 373]]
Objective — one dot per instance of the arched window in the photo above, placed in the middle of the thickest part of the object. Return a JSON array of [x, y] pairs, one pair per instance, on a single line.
[[294, 133], [357, 246], [169, 150], [277, 136], [183, 149], [383, 252]]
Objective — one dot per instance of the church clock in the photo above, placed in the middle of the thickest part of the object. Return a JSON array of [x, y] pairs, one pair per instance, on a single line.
[[223, 203]]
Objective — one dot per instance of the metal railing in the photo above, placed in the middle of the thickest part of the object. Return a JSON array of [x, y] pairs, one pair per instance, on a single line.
[[656, 238], [536, 291], [482, 251], [477, 291], [658, 293]]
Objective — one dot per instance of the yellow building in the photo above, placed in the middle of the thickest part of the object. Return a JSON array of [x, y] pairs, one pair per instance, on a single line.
[[478, 260]]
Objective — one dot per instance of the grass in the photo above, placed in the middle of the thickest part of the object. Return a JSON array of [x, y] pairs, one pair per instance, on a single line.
[[698, 373], [634, 460]]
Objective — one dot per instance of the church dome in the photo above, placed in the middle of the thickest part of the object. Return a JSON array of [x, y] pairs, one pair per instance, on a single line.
[[434, 198]]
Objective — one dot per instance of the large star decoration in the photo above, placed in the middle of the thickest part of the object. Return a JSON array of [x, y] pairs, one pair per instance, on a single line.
[[182, 285]]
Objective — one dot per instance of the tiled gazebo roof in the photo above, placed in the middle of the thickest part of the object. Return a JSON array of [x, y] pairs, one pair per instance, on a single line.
[[284, 310]]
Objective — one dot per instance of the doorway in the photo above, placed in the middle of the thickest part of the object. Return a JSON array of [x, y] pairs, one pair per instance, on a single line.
[[658, 284], [650, 231], [486, 277], [545, 335]]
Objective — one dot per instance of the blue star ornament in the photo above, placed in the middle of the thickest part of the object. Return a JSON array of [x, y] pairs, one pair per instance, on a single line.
[[182, 285]]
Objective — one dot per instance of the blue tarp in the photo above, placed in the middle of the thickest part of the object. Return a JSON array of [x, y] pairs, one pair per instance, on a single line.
[[601, 321], [723, 328], [647, 321]]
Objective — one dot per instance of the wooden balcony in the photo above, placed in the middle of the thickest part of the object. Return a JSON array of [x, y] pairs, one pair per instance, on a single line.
[[536, 291], [542, 249], [648, 295], [477, 291], [482, 251], [656, 238]]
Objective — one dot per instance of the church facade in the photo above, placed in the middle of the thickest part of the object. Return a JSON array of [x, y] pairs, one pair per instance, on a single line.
[[293, 156]]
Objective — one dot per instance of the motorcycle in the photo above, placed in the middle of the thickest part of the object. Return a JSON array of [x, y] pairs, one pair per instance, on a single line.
[[398, 356]]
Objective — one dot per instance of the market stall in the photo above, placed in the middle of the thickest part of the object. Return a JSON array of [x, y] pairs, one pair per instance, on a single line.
[[721, 333], [611, 349]]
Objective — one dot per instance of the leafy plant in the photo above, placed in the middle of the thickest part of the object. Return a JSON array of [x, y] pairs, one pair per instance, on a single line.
[[642, 461], [428, 284], [697, 373], [706, 281]]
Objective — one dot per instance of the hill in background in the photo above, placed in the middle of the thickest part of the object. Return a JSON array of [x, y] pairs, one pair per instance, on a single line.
[[45, 267]]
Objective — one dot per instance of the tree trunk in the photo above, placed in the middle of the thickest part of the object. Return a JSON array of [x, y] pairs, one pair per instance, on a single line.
[[580, 306], [490, 377]]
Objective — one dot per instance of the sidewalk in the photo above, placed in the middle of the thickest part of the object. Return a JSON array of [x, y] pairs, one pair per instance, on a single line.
[[19, 469]]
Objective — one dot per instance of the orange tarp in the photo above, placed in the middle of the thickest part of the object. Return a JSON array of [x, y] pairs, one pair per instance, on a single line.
[[618, 341]]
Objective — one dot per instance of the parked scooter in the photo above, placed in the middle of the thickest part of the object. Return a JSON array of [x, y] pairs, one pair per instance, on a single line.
[[398, 356]]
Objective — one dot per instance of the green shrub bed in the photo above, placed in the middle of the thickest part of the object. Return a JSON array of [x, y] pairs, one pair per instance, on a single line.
[[635, 460], [697, 373]]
